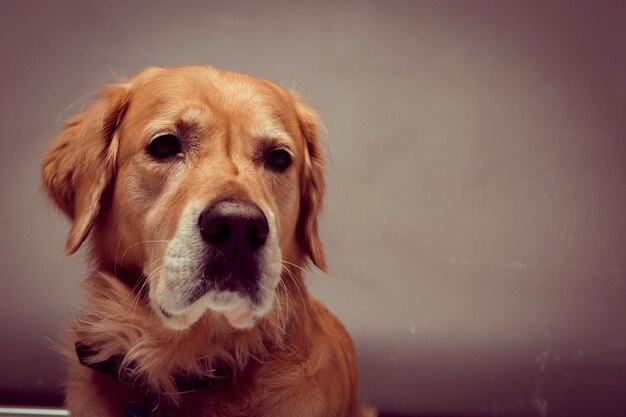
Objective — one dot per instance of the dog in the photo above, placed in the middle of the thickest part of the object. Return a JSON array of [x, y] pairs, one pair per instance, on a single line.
[[199, 190]]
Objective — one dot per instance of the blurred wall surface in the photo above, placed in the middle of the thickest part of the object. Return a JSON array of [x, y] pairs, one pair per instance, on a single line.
[[476, 217]]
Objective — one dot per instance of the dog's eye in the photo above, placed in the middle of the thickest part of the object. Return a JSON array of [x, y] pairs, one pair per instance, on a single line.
[[279, 160], [164, 146]]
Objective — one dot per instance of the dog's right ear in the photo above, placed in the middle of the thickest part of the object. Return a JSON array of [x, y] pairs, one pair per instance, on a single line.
[[80, 163]]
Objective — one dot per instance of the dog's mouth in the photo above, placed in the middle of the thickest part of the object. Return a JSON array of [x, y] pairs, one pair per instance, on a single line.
[[182, 298], [233, 286], [240, 311], [241, 318], [227, 275]]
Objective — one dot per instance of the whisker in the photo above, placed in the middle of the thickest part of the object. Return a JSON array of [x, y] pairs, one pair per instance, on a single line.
[[143, 286], [292, 264], [78, 100], [295, 279], [140, 283], [140, 243]]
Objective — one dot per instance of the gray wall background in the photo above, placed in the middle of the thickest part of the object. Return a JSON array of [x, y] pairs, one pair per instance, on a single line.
[[475, 224]]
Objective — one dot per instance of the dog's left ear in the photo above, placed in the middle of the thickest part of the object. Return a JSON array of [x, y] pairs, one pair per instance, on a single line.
[[80, 163], [312, 186]]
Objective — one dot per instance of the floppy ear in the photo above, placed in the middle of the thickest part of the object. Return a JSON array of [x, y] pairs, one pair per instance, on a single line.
[[312, 186], [80, 163]]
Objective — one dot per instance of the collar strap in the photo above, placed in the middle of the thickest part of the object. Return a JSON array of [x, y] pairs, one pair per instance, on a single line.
[[112, 367]]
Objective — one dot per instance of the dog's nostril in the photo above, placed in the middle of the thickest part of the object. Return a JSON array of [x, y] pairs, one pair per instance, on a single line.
[[217, 232], [257, 233]]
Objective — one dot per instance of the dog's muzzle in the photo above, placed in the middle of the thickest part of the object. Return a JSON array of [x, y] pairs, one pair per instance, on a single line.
[[234, 232]]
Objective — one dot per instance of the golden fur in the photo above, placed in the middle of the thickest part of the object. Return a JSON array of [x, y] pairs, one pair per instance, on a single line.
[[296, 360]]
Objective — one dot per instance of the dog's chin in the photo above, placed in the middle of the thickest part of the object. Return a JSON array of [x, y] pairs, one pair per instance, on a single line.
[[239, 311]]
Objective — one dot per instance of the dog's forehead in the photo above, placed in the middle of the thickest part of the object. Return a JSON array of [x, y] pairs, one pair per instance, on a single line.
[[207, 95]]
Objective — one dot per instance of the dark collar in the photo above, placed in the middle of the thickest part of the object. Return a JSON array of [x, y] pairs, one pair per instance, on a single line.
[[112, 367]]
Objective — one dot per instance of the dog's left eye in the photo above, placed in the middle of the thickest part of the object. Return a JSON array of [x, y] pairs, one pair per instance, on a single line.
[[164, 146], [279, 160]]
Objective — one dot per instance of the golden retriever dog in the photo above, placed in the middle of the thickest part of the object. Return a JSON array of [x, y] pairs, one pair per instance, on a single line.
[[199, 190]]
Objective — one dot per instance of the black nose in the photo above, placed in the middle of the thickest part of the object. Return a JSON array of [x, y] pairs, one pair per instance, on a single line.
[[237, 228]]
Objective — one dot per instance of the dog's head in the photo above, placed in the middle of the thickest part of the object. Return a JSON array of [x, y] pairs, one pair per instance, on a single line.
[[204, 182]]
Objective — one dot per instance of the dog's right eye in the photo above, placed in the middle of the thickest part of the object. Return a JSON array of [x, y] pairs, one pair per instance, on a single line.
[[164, 146]]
